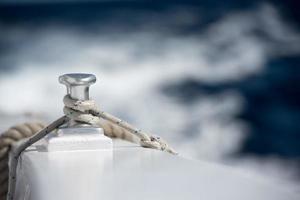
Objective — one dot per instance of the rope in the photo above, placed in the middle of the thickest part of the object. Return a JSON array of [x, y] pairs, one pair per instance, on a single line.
[[75, 110], [88, 112], [16, 152], [7, 139]]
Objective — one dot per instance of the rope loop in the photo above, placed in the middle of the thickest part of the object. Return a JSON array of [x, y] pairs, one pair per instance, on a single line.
[[88, 112], [80, 111]]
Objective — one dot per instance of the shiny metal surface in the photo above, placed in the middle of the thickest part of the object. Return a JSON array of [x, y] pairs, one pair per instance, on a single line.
[[78, 88], [78, 84]]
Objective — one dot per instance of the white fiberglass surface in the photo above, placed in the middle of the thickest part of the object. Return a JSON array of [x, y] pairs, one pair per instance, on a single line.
[[132, 172]]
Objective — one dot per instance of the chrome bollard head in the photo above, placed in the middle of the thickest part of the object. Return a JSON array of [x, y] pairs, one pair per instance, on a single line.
[[78, 84]]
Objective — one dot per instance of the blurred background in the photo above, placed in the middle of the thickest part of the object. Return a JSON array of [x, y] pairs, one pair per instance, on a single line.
[[219, 80]]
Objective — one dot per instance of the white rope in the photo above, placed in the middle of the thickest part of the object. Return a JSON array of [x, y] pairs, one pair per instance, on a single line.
[[80, 111], [88, 112], [7, 140], [17, 151]]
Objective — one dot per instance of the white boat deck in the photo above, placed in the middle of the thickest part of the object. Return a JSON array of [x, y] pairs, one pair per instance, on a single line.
[[131, 172]]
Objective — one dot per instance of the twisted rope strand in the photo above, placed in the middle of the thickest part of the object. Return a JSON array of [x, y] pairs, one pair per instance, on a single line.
[[81, 111], [7, 139], [23, 146]]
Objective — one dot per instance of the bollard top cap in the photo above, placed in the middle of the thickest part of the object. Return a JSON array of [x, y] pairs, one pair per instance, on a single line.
[[76, 79]]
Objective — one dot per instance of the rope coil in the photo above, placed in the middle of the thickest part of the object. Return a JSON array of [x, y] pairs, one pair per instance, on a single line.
[[78, 111]]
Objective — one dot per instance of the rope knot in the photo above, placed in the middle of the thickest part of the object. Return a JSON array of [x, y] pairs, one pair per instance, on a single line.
[[79, 111], [88, 112]]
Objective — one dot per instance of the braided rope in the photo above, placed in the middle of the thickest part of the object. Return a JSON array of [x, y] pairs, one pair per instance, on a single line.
[[88, 112], [79, 111], [16, 152], [7, 139]]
